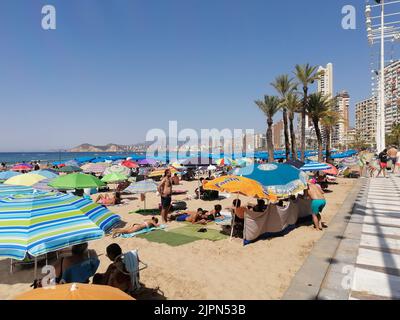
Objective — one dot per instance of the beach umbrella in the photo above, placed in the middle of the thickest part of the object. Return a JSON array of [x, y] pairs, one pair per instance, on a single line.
[[196, 161], [142, 187], [350, 162], [98, 168], [279, 180], [238, 185], [129, 164], [114, 177], [315, 166], [44, 185], [27, 180], [147, 162], [38, 223], [117, 169], [75, 291], [333, 171], [76, 181], [296, 163], [8, 174], [69, 169], [9, 190], [223, 162], [72, 163], [22, 167], [161, 172], [211, 168], [47, 174]]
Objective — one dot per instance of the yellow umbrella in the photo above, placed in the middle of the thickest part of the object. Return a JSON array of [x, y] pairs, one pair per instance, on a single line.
[[238, 185], [75, 291], [161, 172], [28, 179]]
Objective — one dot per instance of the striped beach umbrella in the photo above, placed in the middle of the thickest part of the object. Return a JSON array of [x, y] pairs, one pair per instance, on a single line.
[[95, 167], [350, 161], [315, 166], [142, 187], [47, 174], [9, 190], [8, 174], [38, 223], [118, 169]]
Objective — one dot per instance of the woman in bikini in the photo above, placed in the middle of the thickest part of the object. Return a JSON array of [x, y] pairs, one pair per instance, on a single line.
[[148, 224]]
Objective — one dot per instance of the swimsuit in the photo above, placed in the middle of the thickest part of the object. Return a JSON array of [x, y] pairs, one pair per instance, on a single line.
[[317, 206], [166, 202], [182, 218]]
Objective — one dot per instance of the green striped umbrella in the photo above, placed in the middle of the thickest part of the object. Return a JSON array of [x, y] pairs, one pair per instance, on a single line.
[[114, 177], [38, 223], [76, 181]]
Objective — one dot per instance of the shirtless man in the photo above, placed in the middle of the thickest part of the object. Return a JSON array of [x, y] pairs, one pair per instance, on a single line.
[[165, 190], [318, 204], [392, 154], [195, 217]]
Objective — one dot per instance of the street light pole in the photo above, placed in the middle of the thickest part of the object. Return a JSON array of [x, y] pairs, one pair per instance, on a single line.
[[381, 117]]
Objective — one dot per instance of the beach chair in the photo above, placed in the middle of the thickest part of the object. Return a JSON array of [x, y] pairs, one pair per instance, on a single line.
[[133, 265], [28, 261]]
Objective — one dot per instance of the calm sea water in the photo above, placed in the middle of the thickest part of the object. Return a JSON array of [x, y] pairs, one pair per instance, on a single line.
[[17, 157]]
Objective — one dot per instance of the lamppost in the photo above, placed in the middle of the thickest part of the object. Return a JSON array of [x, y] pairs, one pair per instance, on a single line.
[[381, 32]]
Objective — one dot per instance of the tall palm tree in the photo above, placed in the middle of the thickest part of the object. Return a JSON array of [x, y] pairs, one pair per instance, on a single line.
[[329, 120], [270, 106], [293, 106], [306, 75], [283, 85], [317, 107]]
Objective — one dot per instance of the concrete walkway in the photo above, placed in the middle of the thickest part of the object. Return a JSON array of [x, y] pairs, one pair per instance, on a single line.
[[366, 262]]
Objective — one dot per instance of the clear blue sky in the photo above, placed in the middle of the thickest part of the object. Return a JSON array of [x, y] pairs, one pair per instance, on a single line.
[[114, 69]]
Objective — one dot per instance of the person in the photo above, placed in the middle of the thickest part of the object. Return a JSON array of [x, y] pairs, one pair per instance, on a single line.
[[76, 268], [259, 207], [397, 162], [165, 190], [36, 166], [175, 180], [200, 190], [318, 203], [217, 211], [383, 160], [362, 162], [148, 224], [195, 217], [370, 169], [392, 155], [3, 166], [107, 199], [116, 274], [239, 213]]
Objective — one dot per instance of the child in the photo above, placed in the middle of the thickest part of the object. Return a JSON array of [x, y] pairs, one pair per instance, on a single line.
[[371, 169]]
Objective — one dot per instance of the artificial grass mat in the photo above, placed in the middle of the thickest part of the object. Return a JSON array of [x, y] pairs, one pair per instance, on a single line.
[[147, 212], [184, 235]]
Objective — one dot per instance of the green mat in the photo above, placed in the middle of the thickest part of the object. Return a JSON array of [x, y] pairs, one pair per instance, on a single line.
[[182, 236], [147, 212]]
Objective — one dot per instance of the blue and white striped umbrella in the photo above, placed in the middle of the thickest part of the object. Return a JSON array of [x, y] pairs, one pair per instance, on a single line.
[[142, 187], [9, 190], [47, 174], [5, 175], [315, 166], [38, 223]]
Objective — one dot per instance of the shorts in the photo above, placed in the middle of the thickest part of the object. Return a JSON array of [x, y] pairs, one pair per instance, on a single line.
[[166, 202], [317, 206], [384, 165], [394, 160], [182, 217]]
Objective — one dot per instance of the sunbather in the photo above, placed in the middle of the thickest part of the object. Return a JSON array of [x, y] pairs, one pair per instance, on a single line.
[[116, 275], [196, 217], [108, 199], [148, 224]]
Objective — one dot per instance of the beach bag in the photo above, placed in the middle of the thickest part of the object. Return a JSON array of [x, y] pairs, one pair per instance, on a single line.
[[179, 205]]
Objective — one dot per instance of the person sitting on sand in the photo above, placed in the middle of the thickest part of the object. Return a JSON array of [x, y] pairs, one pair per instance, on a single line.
[[148, 224], [217, 211], [116, 274], [239, 212], [76, 268], [175, 180], [107, 199]]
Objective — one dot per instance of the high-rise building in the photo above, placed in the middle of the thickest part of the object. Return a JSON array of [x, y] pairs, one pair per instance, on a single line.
[[392, 95], [278, 135], [342, 108], [366, 120], [260, 141], [325, 83]]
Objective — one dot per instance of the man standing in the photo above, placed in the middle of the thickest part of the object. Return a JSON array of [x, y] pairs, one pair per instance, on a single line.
[[165, 190], [318, 204]]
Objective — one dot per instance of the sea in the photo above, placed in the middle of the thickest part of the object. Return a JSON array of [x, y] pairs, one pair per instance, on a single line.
[[19, 157]]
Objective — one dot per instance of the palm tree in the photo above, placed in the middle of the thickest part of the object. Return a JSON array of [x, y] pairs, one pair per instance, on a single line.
[[306, 75], [317, 107], [270, 106], [283, 85], [293, 106], [329, 120]]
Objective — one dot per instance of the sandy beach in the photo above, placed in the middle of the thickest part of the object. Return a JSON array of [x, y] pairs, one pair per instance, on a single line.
[[204, 269]]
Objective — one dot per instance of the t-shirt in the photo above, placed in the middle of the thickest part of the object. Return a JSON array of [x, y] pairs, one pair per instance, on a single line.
[[383, 157]]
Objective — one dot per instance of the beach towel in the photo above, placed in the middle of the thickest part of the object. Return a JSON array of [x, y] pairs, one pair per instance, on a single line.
[[144, 231], [131, 262], [225, 219]]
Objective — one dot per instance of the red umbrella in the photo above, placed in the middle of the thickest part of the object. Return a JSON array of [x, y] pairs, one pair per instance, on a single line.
[[22, 167], [333, 171], [129, 164]]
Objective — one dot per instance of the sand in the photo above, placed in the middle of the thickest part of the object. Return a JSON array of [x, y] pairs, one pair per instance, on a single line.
[[204, 269]]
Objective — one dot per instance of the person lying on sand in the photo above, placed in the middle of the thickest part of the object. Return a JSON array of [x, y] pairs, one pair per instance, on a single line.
[[151, 223], [195, 217], [108, 199]]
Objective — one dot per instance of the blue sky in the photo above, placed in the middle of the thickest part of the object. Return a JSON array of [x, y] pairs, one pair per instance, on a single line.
[[115, 69]]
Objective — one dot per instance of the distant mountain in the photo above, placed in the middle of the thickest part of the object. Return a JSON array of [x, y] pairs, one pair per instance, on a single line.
[[111, 147]]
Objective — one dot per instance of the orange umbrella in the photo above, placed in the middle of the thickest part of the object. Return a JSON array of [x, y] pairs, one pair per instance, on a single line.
[[333, 171], [75, 291]]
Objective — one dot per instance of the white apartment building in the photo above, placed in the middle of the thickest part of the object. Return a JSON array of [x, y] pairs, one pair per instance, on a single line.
[[366, 120]]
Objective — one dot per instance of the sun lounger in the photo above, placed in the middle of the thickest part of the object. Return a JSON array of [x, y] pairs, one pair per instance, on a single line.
[[144, 231]]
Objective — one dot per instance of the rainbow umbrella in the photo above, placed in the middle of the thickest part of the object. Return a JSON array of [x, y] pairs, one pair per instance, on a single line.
[[38, 223], [27, 180]]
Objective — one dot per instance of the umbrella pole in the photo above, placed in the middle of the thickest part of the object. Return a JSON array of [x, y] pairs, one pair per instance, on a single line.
[[35, 270], [233, 220]]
